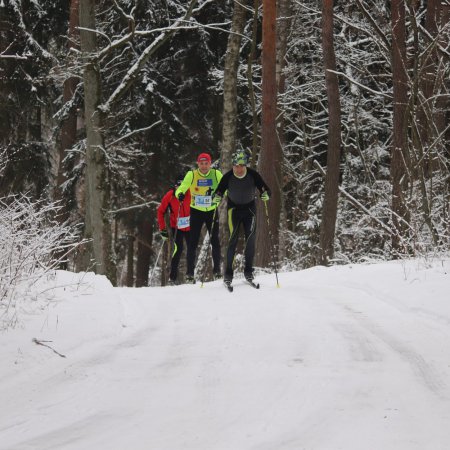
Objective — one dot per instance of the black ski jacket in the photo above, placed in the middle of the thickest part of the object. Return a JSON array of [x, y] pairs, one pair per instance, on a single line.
[[241, 191]]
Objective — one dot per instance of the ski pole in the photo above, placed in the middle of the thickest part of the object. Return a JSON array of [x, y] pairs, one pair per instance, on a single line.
[[272, 248], [209, 243], [156, 263]]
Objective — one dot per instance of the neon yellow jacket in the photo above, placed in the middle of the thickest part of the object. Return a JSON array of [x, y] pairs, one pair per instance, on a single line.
[[202, 188]]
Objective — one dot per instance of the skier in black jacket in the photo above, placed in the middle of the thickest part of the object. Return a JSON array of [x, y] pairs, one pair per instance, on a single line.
[[240, 184]]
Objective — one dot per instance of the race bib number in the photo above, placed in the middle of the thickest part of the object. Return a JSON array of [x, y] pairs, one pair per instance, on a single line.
[[183, 222], [203, 200]]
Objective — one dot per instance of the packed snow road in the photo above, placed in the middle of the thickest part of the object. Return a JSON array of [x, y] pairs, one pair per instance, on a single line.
[[353, 357]]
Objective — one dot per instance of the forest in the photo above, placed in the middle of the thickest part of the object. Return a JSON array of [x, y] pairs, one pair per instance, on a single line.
[[344, 105]]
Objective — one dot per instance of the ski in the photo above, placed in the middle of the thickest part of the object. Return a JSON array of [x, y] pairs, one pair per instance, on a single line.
[[228, 286], [253, 284]]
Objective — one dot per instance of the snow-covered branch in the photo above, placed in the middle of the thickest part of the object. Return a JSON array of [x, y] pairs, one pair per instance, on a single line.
[[32, 243], [130, 208], [17, 57], [356, 203], [133, 73], [131, 133], [383, 94], [17, 8]]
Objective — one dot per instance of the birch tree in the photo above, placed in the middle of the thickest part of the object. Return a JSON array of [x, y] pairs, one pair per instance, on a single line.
[[230, 108], [230, 84]]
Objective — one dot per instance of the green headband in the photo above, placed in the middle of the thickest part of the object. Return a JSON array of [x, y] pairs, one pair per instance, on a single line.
[[240, 158]]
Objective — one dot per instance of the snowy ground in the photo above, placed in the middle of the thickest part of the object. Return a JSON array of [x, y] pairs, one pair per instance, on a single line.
[[352, 357]]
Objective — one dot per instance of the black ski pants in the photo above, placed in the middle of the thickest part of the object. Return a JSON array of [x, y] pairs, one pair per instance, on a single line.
[[180, 237], [236, 218], [198, 218]]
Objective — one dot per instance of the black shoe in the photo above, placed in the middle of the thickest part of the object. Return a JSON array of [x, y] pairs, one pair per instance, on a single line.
[[227, 279], [217, 276], [190, 279], [249, 276]]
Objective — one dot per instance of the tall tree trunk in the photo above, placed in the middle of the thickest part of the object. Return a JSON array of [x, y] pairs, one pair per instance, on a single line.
[[230, 98], [251, 89], [422, 87], [400, 90], [330, 202], [230, 85], [442, 117], [270, 158], [69, 126], [428, 73], [98, 226], [284, 24]]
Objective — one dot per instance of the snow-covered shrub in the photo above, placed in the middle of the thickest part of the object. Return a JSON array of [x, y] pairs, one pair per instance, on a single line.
[[32, 243]]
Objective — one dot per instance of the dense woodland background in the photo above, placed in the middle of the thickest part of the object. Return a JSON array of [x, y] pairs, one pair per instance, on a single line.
[[346, 109]]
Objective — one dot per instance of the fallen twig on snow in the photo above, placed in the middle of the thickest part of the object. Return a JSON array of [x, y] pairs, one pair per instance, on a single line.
[[36, 341]]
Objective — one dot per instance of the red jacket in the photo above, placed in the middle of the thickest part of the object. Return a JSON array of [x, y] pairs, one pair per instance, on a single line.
[[170, 201]]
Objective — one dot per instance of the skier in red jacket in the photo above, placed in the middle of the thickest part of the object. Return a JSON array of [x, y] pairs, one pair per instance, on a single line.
[[179, 224]]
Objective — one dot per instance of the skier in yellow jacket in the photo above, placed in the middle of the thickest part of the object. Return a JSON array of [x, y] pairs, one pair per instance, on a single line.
[[202, 182]]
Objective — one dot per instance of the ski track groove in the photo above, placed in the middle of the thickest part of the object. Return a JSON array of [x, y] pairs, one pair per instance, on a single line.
[[423, 369]]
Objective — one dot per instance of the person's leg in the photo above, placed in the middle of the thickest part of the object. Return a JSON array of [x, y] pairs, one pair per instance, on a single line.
[[186, 235], [177, 254], [215, 240], [249, 222], [233, 226], [196, 223]]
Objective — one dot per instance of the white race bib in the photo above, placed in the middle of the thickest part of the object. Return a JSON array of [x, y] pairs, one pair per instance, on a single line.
[[203, 200], [183, 222]]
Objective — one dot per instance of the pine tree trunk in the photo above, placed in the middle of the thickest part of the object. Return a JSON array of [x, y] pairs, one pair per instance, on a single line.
[[442, 118], [330, 203], [69, 126], [270, 158], [7, 33], [428, 72], [284, 25], [400, 90], [98, 226], [251, 89]]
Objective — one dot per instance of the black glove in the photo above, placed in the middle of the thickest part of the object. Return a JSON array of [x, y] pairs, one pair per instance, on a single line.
[[181, 196], [164, 235]]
